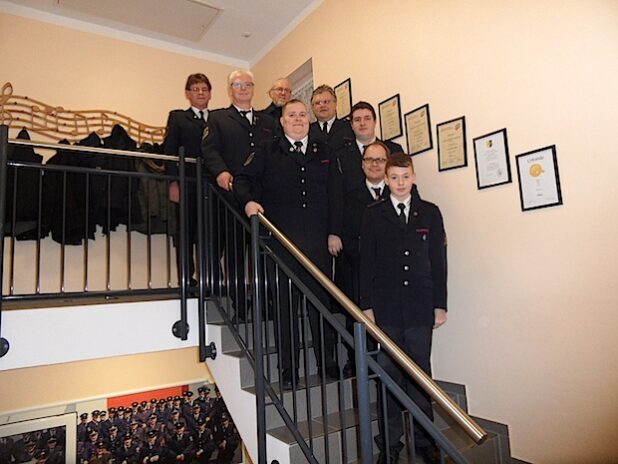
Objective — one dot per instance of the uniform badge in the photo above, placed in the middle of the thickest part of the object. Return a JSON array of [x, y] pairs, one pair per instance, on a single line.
[[249, 159], [206, 132]]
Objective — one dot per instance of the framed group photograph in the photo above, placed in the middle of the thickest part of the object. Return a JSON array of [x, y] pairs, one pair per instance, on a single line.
[[44, 439], [418, 130], [343, 92], [452, 148], [491, 157], [390, 118], [539, 181]]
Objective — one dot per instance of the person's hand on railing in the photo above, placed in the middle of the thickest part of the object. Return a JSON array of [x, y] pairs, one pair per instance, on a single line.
[[224, 180], [334, 244], [174, 192], [370, 315], [252, 208], [439, 317]]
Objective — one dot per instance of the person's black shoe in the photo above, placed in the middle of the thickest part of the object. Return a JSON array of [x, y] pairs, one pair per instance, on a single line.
[[286, 380], [430, 454], [394, 456], [332, 372], [349, 370]]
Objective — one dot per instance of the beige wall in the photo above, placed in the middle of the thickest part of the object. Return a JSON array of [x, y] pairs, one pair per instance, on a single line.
[[533, 297], [65, 383]]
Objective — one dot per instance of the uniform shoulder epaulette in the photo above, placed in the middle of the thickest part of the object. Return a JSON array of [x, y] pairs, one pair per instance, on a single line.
[[377, 202]]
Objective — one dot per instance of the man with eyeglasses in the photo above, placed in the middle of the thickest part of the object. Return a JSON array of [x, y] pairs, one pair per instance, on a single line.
[[184, 129], [231, 134], [280, 93], [347, 174], [327, 127]]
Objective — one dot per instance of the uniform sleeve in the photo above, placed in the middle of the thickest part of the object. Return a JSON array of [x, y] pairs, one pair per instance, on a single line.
[[368, 243], [437, 256], [335, 196], [212, 147], [171, 144], [247, 183]]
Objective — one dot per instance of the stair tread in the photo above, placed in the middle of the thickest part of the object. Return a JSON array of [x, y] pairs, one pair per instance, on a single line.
[[314, 380]]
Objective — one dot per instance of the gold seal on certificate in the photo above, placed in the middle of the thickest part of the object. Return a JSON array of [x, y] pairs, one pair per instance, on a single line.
[[343, 92], [452, 144], [539, 181], [390, 118], [418, 130]]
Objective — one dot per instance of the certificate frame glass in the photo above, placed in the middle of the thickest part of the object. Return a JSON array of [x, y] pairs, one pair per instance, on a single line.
[[343, 92], [539, 179], [424, 140], [452, 153], [491, 159], [63, 423], [390, 118]]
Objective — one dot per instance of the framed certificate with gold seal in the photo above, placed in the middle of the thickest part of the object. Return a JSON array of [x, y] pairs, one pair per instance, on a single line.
[[539, 181]]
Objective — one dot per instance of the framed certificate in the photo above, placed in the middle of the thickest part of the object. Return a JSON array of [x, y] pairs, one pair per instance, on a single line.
[[491, 156], [452, 144], [343, 92], [418, 130], [390, 118], [539, 182]]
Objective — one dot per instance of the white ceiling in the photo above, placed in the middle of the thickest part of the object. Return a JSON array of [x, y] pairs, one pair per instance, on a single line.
[[237, 32]]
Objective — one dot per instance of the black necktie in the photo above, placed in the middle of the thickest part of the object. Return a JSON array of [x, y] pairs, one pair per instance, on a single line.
[[377, 191], [325, 127], [298, 147], [244, 113], [402, 213], [201, 115]]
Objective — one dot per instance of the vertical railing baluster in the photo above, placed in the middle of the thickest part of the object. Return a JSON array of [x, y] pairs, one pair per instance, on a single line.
[[257, 338], [86, 230], [128, 231], [12, 242], [38, 235], [64, 225], [108, 238], [362, 388]]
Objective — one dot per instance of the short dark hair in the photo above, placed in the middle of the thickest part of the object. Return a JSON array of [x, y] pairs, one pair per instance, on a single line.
[[363, 105], [378, 143], [291, 102], [323, 88], [399, 160], [196, 79]]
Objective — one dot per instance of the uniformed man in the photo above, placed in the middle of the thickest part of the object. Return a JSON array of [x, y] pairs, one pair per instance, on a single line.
[[227, 439], [180, 446], [230, 136], [185, 129], [280, 93], [151, 451], [127, 453], [286, 179], [82, 428], [327, 127], [403, 290], [204, 442]]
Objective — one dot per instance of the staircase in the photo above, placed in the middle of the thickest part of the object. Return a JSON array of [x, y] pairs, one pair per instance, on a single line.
[[332, 429]]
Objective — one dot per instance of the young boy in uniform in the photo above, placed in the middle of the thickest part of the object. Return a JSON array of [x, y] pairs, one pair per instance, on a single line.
[[403, 289]]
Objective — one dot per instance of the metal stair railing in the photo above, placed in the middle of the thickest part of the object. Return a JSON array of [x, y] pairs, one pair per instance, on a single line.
[[278, 283], [180, 328]]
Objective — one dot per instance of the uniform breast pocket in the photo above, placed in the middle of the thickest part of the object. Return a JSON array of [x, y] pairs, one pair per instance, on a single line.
[[421, 250]]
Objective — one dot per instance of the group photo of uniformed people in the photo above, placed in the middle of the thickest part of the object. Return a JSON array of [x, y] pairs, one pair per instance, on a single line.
[[192, 428], [39, 446], [346, 199]]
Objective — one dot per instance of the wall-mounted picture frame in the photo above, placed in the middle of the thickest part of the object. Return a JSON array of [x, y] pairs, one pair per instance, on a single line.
[[418, 130], [491, 158], [343, 92], [452, 150], [390, 118], [539, 179], [43, 439]]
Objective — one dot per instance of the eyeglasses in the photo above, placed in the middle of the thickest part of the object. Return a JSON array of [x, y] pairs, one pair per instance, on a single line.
[[199, 89], [374, 160], [242, 85], [323, 102], [281, 90]]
